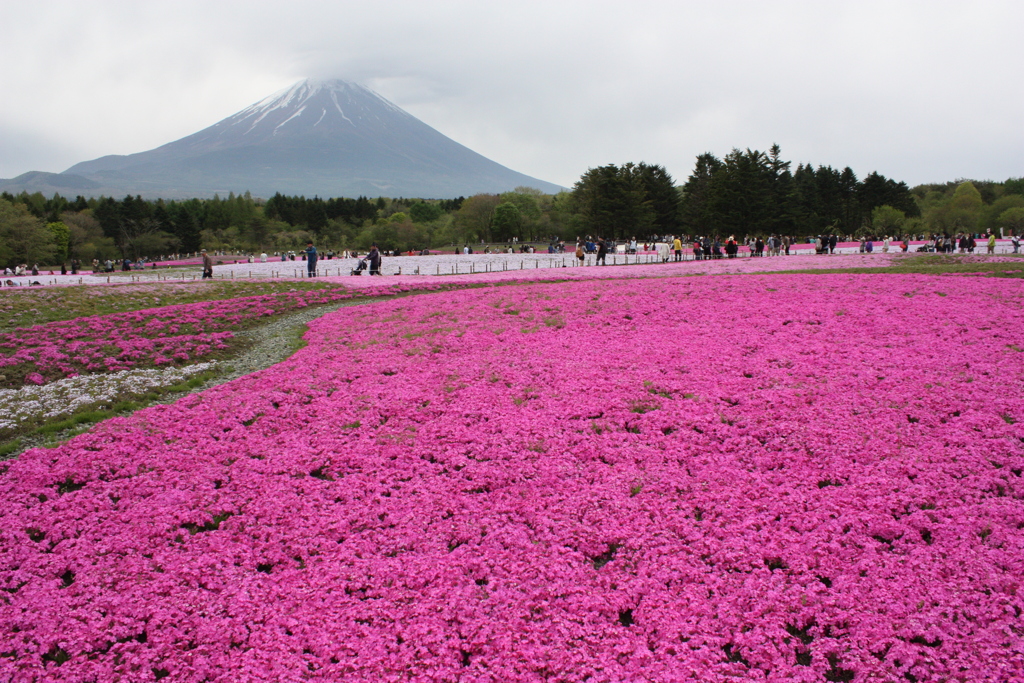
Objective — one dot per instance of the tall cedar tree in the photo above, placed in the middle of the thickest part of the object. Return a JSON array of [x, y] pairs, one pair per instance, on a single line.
[[753, 193], [629, 201]]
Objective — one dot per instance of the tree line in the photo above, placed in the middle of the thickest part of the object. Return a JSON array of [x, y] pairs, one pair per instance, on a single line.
[[746, 193]]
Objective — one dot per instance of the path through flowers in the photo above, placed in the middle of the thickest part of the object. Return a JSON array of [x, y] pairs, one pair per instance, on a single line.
[[748, 477]]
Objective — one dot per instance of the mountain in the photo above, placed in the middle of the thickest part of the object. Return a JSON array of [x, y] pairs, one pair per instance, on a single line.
[[328, 138]]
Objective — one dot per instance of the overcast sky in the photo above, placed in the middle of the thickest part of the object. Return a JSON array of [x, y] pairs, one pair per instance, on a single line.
[[924, 91]]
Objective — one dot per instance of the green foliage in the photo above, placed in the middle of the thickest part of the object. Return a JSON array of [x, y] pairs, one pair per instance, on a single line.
[[1014, 186], [61, 240], [886, 220], [961, 212], [473, 219], [695, 212], [1012, 220], [24, 238], [614, 202], [10, 448], [507, 222], [741, 194], [422, 212], [991, 214], [526, 225], [751, 192], [662, 197], [86, 240]]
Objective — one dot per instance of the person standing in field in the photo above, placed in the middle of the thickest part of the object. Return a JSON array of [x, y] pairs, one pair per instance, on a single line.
[[374, 258], [602, 250], [311, 256], [677, 247], [992, 243], [207, 266], [579, 252], [663, 252]]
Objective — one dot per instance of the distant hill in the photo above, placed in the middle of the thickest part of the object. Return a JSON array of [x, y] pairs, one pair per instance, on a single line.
[[327, 138], [50, 183]]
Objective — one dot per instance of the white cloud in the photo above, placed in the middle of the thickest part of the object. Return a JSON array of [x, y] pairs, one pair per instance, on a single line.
[[921, 91]]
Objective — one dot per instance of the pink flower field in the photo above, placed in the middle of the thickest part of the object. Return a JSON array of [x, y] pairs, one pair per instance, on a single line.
[[745, 477], [164, 335]]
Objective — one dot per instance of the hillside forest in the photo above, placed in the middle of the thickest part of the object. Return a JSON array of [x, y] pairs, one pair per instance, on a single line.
[[746, 193]]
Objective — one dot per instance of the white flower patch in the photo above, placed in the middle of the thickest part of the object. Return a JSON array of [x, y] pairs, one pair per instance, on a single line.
[[67, 396]]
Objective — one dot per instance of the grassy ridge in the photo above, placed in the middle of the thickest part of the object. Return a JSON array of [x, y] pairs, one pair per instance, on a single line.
[[934, 264]]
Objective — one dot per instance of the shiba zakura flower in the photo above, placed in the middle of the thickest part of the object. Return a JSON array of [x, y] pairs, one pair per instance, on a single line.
[[744, 477], [150, 337]]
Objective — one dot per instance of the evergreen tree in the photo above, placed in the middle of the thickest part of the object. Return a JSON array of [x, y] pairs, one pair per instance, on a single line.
[[850, 217], [695, 212], [803, 200], [612, 202], [782, 181], [187, 225], [108, 213], [741, 194], [661, 194]]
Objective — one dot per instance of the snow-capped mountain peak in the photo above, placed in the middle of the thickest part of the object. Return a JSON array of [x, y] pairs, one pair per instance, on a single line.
[[312, 103], [326, 137]]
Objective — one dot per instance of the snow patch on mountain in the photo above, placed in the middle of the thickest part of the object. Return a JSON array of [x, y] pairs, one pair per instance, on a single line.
[[334, 98], [296, 114]]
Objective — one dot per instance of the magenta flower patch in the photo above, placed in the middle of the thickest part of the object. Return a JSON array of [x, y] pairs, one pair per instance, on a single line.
[[757, 477], [151, 337]]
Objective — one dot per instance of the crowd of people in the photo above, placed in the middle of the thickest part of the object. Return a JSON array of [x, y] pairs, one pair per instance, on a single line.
[[22, 269], [667, 247]]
